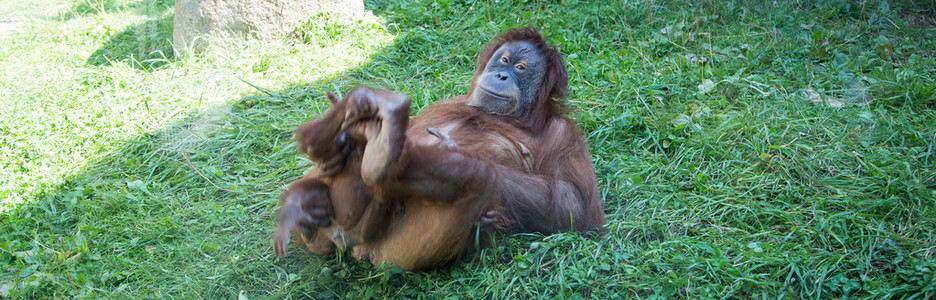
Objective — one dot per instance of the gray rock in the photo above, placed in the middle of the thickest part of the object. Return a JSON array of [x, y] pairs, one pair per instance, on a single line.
[[232, 21]]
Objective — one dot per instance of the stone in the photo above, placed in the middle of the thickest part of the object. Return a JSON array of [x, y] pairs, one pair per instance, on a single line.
[[197, 22]]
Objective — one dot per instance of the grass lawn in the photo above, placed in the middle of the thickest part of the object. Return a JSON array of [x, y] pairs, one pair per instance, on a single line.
[[744, 149]]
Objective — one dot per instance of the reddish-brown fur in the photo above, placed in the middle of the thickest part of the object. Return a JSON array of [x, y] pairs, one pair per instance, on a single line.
[[419, 193]]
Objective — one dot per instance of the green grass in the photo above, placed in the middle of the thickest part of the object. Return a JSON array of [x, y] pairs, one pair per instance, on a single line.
[[126, 172]]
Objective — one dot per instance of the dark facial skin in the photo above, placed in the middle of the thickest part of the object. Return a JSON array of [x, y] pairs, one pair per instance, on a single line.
[[509, 81]]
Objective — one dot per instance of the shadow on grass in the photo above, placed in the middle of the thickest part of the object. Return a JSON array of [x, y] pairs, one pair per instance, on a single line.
[[145, 46], [150, 8]]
